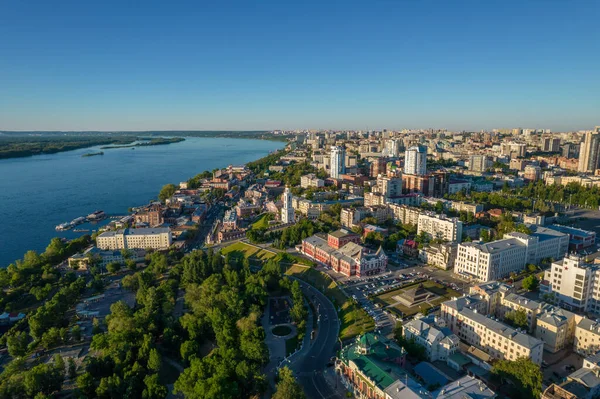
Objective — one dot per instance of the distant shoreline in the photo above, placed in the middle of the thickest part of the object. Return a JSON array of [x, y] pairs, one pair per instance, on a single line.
[[26, 144]]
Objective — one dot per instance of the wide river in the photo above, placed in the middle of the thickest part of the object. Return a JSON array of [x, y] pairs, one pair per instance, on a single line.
[[37, 193]]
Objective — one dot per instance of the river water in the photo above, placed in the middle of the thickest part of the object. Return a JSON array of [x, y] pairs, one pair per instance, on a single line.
[[37, 193]]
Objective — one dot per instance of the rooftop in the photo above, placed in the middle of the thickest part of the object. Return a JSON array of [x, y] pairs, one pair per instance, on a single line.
[[522, 301], [466, 387], [495, 246]]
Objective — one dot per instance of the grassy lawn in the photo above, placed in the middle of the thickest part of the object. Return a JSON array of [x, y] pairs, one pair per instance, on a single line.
[[291, 345], [354, 320], [247, 251], [262, 222], [443, 293]]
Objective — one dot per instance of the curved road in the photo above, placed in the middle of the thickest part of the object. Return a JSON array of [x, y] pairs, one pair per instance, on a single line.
[[310, 364]]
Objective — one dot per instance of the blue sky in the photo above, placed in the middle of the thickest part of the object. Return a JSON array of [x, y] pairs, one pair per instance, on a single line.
[[116, 65]]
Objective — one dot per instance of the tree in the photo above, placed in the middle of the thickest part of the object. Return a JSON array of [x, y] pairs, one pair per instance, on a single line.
[[485, 235], [154, 360], [531, 283], [131, 265], [525, 375], [167, 192], [44, 378], [76, 333], [413, 349], [113, 267], [153, 388], [517, 318], [288, 387], [87, 384], [17, 344], [72, 367]]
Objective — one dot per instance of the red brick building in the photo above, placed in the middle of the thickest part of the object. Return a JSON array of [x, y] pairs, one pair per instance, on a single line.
[[343, 254], [341, 237]]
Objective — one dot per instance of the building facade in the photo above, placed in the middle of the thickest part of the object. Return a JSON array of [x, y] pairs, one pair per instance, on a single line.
[[287, 211], [431, 333], [442, 256], [496, 338], [157, 238], [340, 250], [415, 161], [337, 162], [440, 227], [311, 180]]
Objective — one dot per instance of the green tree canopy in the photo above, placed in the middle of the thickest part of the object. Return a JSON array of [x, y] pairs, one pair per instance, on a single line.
[[524, 374], [531, 283], [167, 192], [288, 387]]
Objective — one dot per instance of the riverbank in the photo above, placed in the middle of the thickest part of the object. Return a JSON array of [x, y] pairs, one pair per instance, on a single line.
[[39, 193], [150, 142], [27, 144]]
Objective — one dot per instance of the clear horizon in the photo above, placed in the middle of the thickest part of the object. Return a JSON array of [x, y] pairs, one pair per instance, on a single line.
[[469, 65]]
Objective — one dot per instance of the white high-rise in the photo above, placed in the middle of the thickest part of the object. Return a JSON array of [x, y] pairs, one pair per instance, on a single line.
[[589, 155], [287, 212], [415, 161], [338, 162]]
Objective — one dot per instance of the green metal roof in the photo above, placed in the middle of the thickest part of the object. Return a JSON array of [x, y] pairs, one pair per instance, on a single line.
[[373, 364]]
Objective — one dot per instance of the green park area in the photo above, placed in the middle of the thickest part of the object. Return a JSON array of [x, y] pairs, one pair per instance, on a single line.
[[263, 221], [442, 294], [240, 249], [354, 320]]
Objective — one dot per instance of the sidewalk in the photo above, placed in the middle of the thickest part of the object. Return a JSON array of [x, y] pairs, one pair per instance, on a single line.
[[333, 380]]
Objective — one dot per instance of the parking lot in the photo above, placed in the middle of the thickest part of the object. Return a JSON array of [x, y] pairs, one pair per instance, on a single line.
[[401, 271]]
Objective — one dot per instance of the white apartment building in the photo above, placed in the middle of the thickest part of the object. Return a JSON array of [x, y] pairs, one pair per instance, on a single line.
[[548, 323], [350, 217], [405, 214], [415, 161], [337, 162], [389, 186], [490, 261], [500, 258], [574, 284], [543, 243], [479, 163], [311, 180], [587, 337], [440, 226], [494, 337], [430, 332], [439, 255], [155, 238]]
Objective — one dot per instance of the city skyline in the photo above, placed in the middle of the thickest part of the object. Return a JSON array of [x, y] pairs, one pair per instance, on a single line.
[[465, 66]]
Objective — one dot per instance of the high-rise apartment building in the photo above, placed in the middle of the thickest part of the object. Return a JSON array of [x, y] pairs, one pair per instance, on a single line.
[[415, 161], [589, 155], [392, 148], [338, 163], [378, 167], [571, 150], [479, 163], [550, 144]]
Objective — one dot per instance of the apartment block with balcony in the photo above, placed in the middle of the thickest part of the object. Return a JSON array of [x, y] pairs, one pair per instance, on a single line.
[[440, 226]]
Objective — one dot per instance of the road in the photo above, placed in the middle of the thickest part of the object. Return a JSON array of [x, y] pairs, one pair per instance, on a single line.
[[309, 365]]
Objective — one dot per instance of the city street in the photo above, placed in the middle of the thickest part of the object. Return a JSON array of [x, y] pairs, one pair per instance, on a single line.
[[309, 364]]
